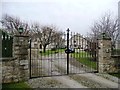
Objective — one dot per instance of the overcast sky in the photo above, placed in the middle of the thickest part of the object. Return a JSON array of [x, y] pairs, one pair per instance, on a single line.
[[78, 15]]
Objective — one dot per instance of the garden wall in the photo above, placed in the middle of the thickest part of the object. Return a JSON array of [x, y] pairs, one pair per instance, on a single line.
[[10, 70]]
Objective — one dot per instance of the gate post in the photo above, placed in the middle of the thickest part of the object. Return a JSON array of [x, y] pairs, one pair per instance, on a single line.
[[20, 52], [105, 62], [68, 51], [30, 58]]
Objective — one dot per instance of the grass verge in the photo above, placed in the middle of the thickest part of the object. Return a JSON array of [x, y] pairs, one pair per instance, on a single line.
[[115, 74], [49, 52], [15, 86], [85, 58]]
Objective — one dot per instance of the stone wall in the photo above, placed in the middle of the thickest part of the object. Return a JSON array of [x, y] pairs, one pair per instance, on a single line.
[[107, 64], [16, 69], [10, 70]]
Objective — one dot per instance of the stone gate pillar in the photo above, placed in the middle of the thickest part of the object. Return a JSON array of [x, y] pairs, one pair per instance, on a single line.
[[20, 52], [105, 63]]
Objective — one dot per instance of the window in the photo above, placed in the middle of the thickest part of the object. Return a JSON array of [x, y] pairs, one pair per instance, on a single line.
[[74, 41], [75, 45]]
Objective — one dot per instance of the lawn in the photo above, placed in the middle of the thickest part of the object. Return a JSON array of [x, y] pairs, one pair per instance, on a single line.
[[115, 74], [49, 52], [15, 86], [85, 58]]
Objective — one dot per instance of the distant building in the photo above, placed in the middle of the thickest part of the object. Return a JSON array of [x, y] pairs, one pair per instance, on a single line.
[[77, 41]]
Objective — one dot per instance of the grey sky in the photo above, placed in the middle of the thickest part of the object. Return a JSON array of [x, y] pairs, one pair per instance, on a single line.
[[78, 15]]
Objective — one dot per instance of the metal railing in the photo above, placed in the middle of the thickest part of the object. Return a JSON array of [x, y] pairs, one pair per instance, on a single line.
[[7, 45], [77, 55]]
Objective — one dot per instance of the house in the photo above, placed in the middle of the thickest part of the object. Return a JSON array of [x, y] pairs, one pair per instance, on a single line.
[[78, 41]]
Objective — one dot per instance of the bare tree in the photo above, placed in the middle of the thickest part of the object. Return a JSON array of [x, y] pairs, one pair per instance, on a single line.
[[11, 24], [46, 35], [59, 40], [106, 25], [35, 31]]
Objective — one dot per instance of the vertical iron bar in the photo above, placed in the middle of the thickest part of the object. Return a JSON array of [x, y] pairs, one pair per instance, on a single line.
[[48, 62], [97, 56], [41, 68], [79, 51], [30, 59], [74, 55], [82, 56], [68, 51], [38, 60], [64, 55], [51, 57], [90, 53], [71, 55]]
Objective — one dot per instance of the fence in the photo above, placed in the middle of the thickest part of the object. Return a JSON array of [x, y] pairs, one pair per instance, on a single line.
[[72, 54], [55, 61], [7, 42]]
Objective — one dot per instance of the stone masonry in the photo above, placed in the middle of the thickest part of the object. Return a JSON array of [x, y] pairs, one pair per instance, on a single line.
[[106, 62], [16, 69]]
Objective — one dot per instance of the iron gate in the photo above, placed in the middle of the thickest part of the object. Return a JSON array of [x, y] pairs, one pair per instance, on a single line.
[[75, 55]]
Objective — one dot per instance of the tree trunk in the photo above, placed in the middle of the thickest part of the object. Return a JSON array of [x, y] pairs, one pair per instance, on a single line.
[[44, 48]]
